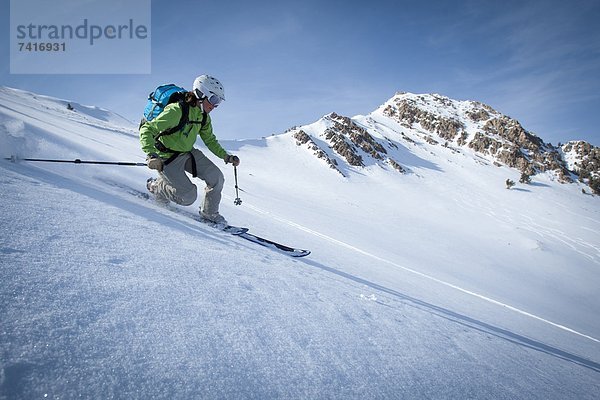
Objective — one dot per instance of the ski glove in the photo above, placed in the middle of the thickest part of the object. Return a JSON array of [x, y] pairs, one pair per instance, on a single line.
[[232, 159], [154, 162]]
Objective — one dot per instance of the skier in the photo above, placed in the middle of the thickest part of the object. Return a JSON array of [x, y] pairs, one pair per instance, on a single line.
[[173, 154]]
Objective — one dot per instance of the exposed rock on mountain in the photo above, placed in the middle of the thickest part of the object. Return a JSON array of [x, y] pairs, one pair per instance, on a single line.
[[468, 127], [346, 139], [407, 112], [302, 138], [584, 159], [479, 127]]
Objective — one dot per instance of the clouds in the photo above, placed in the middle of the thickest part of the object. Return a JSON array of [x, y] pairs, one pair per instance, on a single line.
[[536, 61], [553, 62], [288, 62], [265, 32]]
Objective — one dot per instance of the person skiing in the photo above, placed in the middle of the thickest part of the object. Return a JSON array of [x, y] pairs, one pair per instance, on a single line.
[[173, 154]]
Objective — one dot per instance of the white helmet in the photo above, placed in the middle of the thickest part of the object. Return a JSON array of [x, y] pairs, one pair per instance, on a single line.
[[209, 87]]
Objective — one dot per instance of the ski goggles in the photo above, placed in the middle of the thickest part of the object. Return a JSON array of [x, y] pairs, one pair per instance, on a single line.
[[213, 99]]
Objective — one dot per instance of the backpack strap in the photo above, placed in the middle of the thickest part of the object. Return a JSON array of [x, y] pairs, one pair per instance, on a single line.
[[204, 118], [185, 109]]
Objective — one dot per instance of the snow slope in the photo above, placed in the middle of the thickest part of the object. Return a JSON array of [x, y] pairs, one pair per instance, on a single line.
[[439, 283]]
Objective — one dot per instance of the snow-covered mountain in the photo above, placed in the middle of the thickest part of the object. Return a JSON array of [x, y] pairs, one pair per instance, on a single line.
[[427, 278], [464, 128]]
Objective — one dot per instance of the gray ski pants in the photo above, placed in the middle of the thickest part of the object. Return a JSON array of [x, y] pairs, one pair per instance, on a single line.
[[173, 184]]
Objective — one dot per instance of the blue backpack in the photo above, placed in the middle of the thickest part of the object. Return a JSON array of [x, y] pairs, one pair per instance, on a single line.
[[158, 100]]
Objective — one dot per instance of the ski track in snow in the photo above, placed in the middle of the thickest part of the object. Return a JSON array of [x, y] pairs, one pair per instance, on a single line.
[[527, 222], [429, 277]]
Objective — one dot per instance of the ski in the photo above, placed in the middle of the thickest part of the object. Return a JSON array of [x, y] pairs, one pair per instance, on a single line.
[[234, 230], [290, 251], [241, 232]]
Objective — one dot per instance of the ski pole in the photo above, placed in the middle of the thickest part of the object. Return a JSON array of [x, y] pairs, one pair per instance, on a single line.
[[77, 161], [237, 200]]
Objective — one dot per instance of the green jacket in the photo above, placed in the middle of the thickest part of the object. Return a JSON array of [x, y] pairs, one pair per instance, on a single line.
[[182, 140]]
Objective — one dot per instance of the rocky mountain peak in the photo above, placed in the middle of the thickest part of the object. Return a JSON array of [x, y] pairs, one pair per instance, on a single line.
[[476, 126], [467, 127]]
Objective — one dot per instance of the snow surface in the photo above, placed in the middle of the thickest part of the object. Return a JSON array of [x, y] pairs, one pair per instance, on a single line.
[[436, 284]]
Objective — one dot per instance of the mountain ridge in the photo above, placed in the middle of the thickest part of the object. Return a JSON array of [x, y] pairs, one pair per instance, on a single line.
[[437, 120]]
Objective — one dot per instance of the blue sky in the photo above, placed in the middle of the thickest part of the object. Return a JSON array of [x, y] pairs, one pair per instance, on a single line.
[[286, 63]]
